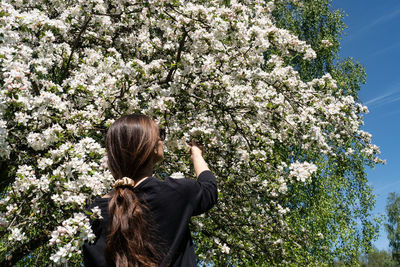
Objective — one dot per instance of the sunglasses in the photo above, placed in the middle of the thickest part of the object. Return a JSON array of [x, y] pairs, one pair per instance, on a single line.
[[162, 134]]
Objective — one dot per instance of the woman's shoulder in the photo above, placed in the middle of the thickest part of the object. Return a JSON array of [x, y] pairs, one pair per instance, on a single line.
[[179, 179], [184, 186]]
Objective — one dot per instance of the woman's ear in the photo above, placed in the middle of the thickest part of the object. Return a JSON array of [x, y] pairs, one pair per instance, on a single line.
[[158, 152]]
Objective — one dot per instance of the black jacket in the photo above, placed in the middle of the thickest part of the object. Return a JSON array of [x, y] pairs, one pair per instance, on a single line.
[[171, 203]]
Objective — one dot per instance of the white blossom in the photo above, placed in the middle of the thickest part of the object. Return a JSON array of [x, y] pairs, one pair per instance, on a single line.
[[177, 175], [302, 171], [97, 213], [16, 235], [225, 249], [326, 43]]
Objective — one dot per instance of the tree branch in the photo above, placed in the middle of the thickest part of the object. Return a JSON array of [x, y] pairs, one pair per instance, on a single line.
[[75, 46], [23, 250], [178, 58]]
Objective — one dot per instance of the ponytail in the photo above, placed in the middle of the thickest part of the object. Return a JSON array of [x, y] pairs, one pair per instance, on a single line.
[[129, 242]]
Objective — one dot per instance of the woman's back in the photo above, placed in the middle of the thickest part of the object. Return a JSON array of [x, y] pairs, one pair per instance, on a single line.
[[170, 204]]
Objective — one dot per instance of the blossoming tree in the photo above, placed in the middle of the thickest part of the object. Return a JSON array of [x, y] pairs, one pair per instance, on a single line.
[[283, 146]]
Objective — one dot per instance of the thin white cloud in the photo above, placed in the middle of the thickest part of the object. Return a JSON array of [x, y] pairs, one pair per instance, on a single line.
[[387, 186], [372, 24], [394, 99], [384, 18], [384, 50], [386, 98], [389, 114], [378, 98]]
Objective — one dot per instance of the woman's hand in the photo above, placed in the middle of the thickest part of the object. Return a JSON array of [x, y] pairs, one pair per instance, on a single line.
[[196, 155], [195, 149]]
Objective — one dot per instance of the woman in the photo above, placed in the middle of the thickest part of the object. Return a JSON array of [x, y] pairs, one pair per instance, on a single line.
[[145, 220]]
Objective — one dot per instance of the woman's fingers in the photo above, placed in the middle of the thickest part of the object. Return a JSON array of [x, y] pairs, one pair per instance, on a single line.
[[195, 143]]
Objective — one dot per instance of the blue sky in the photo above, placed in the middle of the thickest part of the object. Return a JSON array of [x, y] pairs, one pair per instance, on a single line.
[[373, 39]]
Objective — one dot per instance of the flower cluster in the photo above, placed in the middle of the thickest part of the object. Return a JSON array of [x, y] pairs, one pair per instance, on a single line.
[[302, 171], [326, 43], [16, 235], [71, 235]]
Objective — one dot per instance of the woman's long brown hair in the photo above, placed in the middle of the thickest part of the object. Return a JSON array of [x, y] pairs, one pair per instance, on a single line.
[[130, 145]]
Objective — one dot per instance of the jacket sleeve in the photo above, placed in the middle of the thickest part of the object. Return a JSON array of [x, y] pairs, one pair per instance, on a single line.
[[203, 193]]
